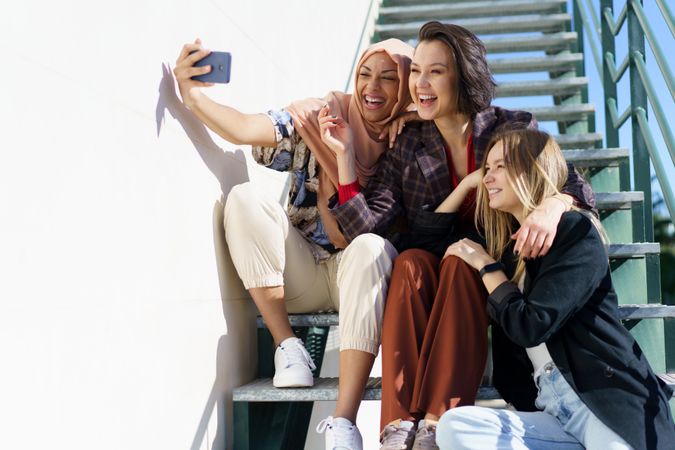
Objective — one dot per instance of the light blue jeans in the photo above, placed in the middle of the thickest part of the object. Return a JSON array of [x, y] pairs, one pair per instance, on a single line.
[[564, 423]]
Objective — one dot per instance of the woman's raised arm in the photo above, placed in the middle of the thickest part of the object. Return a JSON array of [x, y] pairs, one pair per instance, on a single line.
[[231, 124]]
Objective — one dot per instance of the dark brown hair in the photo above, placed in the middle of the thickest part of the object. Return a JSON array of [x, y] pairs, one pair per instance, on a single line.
[[475, 85]]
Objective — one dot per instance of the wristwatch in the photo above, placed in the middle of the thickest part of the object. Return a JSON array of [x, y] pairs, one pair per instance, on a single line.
[[492, 267]]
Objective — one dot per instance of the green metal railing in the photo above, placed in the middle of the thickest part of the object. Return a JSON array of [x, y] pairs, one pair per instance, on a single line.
[[604, 28]]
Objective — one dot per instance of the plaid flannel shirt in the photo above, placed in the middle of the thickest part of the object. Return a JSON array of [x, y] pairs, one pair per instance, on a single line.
[[414, 176]]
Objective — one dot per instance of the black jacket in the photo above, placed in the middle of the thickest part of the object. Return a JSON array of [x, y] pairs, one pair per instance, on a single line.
[[569, 303]]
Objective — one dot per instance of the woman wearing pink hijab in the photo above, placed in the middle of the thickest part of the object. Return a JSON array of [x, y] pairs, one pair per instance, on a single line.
[[296, 260]]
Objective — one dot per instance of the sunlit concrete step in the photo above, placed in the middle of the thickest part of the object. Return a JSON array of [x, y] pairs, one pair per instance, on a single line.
[[488, 25], [562, 113], [453, 10], [554, 63], [651, 311], [558, 86], [326, 389], [530, 43]]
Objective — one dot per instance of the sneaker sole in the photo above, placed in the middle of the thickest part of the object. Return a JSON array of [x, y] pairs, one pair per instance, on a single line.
[[295, 383]]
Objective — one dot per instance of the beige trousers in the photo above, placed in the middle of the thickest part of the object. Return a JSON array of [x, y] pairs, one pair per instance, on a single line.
[[268, 251]]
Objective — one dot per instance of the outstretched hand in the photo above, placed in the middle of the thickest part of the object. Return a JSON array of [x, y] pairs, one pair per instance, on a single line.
[[335, 132], [185, 70]]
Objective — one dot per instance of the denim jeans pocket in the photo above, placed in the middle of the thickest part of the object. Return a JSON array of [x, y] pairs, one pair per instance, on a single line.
[[556, 396]]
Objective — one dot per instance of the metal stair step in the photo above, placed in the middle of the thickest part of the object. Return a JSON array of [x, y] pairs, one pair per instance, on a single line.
[[618, 200], [326, 389], [426, 2], [542, 42], [483, 25], [586, 140], [553, 63], [452, 10], [633, 250], [650, 311], [596, 157], [562, 113], [558, 86]]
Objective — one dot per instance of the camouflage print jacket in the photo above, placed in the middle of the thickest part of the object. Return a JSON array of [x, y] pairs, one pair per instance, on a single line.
[[292, 155]]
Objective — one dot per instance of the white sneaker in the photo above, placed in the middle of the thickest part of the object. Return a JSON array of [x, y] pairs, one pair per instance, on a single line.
[[292, 365], [341, 434], [398, 435]]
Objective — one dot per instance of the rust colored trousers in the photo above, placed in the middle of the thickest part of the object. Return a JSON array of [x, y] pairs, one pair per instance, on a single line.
[[434, 338]]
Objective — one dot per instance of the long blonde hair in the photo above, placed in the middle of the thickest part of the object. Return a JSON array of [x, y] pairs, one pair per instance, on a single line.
[[535, 170]]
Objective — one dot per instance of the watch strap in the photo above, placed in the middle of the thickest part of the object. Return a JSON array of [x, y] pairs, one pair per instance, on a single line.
[[492, 267]]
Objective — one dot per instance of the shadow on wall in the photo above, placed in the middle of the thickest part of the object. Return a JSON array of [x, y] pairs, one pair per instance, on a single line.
[[234, 365], [219, 162]]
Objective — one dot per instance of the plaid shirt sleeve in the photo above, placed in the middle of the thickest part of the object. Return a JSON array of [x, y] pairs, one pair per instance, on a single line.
[[376, 207], [578, 187]]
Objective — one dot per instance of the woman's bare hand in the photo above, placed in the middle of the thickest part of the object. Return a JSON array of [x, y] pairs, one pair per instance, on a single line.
[[537, 232], [470, 252], [335, 132], [396, 126], [185, 70]]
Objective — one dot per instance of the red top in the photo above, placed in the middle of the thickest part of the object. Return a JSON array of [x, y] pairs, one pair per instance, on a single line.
[[468, 207]]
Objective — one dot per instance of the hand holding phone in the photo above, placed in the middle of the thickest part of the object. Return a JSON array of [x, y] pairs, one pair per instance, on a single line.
[[220, 63]]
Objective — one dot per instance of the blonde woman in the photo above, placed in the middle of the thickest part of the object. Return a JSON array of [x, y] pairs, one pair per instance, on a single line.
[[563, 359]]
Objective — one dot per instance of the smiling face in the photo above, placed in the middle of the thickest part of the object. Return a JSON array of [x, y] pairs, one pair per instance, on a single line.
[[500, 191], [433, 80], [377, 85]]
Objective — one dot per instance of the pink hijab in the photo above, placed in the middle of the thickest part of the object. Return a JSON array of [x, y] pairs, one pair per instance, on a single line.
[[367, 146]]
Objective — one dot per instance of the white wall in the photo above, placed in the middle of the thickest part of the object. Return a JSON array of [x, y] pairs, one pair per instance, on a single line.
[[121, 325]]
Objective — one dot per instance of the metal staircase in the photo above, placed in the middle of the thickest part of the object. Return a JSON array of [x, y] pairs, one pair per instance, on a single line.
[[531, 40]]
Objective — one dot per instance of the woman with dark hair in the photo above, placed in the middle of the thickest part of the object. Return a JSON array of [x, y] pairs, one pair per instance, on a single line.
[[565, 359], [435, 325]]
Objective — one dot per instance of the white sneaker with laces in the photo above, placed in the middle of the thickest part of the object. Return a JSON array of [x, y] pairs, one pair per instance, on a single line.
[[425, 438], [341, 434], [398, 435], [292, 365]]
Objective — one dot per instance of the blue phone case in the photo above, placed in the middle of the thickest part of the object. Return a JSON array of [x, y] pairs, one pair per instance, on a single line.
[[220, 63]]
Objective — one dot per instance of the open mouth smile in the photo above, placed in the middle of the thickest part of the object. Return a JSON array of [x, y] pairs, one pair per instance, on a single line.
[[373, 102], [427, 100]]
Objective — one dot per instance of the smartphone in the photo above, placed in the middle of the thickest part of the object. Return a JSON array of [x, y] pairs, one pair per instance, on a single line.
[[220, 63]]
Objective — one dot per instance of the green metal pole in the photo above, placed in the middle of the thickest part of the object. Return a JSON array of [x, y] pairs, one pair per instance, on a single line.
[[579, 29], [589, 125], [638, 99], [611, 133]]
